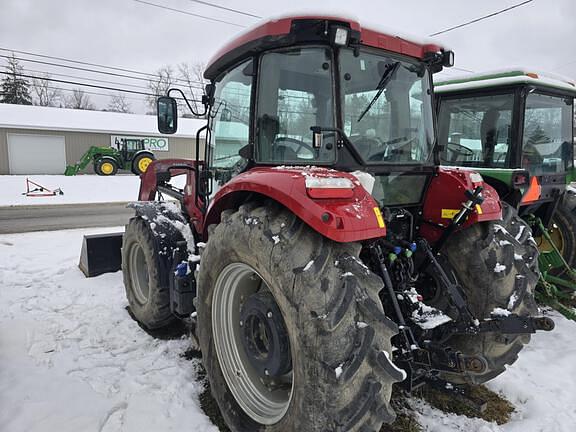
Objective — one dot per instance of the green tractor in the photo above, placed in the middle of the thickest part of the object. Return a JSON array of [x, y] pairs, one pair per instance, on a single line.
[[516, 129], [130, 155]]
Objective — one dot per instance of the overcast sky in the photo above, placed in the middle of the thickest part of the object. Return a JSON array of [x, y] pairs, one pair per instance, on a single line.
[[124, 33]]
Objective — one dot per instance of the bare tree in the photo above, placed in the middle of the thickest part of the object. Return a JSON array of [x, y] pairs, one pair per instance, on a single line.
[[46, 93], [192, 74], [159, 85], [79, 100], [118, 103]]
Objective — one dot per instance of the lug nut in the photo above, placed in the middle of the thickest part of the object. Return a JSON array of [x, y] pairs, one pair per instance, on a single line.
[[269, 314], [241, 323], [266, 372]]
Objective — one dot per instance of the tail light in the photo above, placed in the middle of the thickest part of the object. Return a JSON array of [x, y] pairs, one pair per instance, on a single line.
[[329, 187]]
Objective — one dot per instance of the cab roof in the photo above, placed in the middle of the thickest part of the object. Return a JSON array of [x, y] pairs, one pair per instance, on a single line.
[[508, 77], [292, 30]]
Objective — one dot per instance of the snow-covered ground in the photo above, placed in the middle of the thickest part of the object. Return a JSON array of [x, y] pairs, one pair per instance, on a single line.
[[77, 189], [71, 358]]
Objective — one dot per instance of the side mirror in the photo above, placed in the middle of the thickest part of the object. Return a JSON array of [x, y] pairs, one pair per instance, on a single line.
[[167, 116]]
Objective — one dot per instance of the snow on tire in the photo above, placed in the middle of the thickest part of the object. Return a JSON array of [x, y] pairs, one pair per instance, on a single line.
[[339, 338], [496, 264]]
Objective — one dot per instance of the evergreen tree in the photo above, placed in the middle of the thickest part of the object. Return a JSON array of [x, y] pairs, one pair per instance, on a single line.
[[13, 88]]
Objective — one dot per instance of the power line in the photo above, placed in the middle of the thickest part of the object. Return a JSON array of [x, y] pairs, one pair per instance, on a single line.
[[225, 8], [188, 13], [92, 86], [482, 18], [151, 75], [101, 72]]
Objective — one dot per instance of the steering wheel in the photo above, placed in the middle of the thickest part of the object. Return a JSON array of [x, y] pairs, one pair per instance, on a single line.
[[391, 146], [298, 143], [458, 150]]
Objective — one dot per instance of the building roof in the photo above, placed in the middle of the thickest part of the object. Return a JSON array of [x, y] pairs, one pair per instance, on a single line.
[[505, 77], [64, 119]]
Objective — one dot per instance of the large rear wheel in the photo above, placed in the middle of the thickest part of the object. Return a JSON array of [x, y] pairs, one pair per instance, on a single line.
[[292, 332], [496, 264], [562, 231]]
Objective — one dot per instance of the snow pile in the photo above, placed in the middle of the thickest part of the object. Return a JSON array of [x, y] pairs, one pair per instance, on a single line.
[[77, 189], [72, 359]]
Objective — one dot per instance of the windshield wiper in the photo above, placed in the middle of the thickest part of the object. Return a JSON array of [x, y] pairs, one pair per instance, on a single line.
[[384, 80]]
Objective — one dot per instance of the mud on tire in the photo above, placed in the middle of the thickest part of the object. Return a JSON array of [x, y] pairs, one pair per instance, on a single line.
[[339, 336], [148, 296], [496, 264]]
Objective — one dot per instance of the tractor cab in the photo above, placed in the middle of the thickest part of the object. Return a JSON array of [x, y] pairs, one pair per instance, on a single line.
[[128, 147], [323, 92], [515, 127]]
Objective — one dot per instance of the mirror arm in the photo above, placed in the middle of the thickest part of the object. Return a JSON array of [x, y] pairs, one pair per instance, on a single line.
[[197, 114]]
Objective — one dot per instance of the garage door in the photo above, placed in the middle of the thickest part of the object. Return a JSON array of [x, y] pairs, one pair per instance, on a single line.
[[36, 154]]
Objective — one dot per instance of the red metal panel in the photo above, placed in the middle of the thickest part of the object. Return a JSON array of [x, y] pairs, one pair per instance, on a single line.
[[342, 220], [445, 196]]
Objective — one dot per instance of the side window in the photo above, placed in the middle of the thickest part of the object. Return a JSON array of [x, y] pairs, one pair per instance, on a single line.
[[476, 131], [230, 118], [547, 134], [295, 95]]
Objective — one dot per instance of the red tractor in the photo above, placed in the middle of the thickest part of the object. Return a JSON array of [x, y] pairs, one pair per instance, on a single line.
[[319, 249]]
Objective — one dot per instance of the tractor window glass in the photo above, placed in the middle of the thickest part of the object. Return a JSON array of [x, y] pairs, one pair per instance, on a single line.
[[229, 121], [547, 134], [295, 93], [386, 107], [476, 131]]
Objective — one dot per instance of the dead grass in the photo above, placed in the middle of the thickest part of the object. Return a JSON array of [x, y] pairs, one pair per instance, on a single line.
[[497, 409]]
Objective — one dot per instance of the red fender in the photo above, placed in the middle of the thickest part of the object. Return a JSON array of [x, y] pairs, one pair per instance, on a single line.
[[350, 219], [445, 196]]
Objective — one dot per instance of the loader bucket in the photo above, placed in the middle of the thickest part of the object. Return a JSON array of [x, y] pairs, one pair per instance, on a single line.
[[70, 170], [101, 253]]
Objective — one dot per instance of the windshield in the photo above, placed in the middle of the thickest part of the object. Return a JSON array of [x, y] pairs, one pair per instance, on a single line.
[[547, 134], [386, 107], [476, 131]]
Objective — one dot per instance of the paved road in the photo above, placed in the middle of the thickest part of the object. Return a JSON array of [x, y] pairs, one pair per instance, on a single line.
[[15, 219]]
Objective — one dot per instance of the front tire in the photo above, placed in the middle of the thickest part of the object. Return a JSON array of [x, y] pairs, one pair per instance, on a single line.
[[106, 166], [148, 297], [496, 264], [336, 375]]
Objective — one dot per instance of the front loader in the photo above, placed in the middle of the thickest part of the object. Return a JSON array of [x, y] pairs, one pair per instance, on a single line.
[[323, 254], [516, 128]]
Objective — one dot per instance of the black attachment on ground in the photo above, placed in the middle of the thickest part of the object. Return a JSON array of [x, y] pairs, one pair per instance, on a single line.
[[101, 253], [182, 283]]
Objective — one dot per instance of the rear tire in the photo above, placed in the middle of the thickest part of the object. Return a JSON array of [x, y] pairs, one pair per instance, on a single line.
[[339, 337], [496, 264], [563, 232], [148, 297], [141, 162], [106, 166]]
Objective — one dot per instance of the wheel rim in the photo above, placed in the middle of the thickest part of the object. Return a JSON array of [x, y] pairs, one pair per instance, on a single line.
[[557, 238], [143, 164], [107, 168], [265, 400], [139, 273]]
